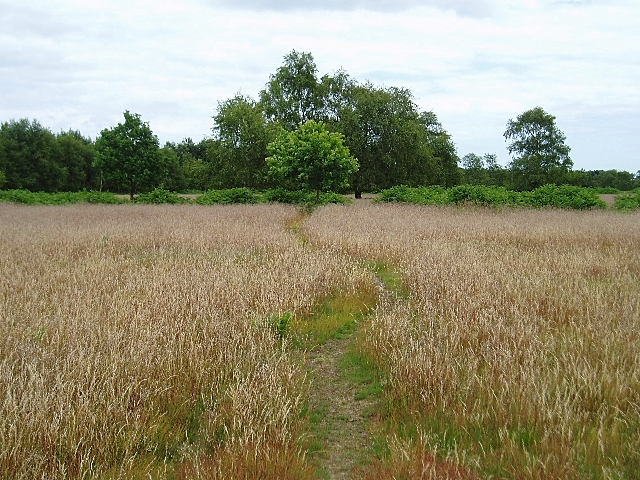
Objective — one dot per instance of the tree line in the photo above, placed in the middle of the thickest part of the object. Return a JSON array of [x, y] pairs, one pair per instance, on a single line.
[[381, 128]]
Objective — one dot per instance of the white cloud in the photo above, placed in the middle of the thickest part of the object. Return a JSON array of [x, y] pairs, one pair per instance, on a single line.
[[79, 64], [472, 8]]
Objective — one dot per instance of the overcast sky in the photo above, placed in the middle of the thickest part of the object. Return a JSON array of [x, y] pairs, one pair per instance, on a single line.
[[78, 64]]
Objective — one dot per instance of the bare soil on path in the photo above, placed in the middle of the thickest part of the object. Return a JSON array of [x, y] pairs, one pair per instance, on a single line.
[[345, 420]]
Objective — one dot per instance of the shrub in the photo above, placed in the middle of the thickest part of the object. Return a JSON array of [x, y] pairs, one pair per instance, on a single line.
[[160, 195], [227, 196], [629, 201], [26, 197], [564, 196], [301, 197]]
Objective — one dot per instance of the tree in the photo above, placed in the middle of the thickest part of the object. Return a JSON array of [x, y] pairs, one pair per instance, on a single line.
[[384, 130], [540, 155], [29, 157], [474, 171], [294, 95], [76, 155], [312, 157], [243, 134], [129, 155]]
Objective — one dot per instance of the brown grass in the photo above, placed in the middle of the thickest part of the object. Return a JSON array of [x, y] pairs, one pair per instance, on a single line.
[[517, 351], [135, 339]]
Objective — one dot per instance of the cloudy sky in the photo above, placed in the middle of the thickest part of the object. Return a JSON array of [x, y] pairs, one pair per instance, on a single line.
[[476, 63]]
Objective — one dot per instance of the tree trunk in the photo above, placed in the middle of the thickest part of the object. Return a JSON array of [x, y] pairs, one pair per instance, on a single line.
[[317, 196]]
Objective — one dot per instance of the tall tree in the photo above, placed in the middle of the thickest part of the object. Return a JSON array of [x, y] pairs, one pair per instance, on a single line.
[[393, 142], [29, 157], [540, 155], [312, 157], [129, 155], [243, 134], [294, 95], [76, 155]]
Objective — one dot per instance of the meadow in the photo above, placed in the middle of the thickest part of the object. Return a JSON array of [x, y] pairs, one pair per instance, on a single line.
[[143, 341]]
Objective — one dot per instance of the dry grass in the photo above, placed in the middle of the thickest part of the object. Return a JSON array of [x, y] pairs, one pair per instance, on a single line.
[[517, 352], [134, 340]]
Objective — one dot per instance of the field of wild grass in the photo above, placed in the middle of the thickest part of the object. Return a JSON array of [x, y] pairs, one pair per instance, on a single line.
[[138, 341], [516, 353]]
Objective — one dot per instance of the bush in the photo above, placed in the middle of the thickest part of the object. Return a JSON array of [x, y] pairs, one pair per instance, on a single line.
[[301, 197], [547, 196], [26, 197], [434, 195], [160, 195], [629, 201], [227, 196], [564, 196]]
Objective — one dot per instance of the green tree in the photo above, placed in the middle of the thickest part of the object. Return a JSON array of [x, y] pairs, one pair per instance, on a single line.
[[129, 156], [474, 171], [313, 158], [3, 179], [540, 155], [384, 130], [29, 157], [243, 134], [76, 155], [294, 95], [443, 149]]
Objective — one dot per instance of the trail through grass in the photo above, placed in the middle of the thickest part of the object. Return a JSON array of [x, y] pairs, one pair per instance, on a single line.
[[344, 388]]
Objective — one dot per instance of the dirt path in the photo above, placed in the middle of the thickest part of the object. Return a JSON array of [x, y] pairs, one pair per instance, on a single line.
[[345, 420]]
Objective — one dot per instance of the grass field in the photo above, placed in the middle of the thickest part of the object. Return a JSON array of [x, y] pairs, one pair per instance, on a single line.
[[168, 341]]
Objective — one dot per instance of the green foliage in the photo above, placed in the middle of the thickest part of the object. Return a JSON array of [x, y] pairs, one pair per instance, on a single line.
[[628, 202], [227, 196], [243, 133], [29, 157], [564, 196], [435, 195], [43, 198], [540, 154], [293, 95], [280, 324], [311, 157], [160, 195], [3, 178], [129, 156], [301, 197]]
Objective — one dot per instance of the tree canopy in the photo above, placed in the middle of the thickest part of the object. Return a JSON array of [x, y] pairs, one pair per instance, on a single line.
[[128, 155], [540, 155], [313, 158]]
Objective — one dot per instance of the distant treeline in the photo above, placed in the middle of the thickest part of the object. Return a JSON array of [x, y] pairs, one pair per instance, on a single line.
[[33, 158], [394, 143]]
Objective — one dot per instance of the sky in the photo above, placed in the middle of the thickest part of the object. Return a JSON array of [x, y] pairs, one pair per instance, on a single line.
[[79, 64]]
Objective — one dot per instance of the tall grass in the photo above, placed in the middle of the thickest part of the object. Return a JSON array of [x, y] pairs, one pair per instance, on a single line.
[[516, 353], [135, 341]]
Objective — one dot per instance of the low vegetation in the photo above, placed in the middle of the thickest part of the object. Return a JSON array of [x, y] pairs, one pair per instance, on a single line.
[[168, 341], [515, 354], [564, 196], [138, 341]]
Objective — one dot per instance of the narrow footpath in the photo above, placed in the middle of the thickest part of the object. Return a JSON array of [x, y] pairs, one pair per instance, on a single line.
[[345, 417]]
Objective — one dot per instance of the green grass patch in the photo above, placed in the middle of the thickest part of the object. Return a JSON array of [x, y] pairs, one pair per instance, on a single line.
[[336, 317], [391, 277]]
